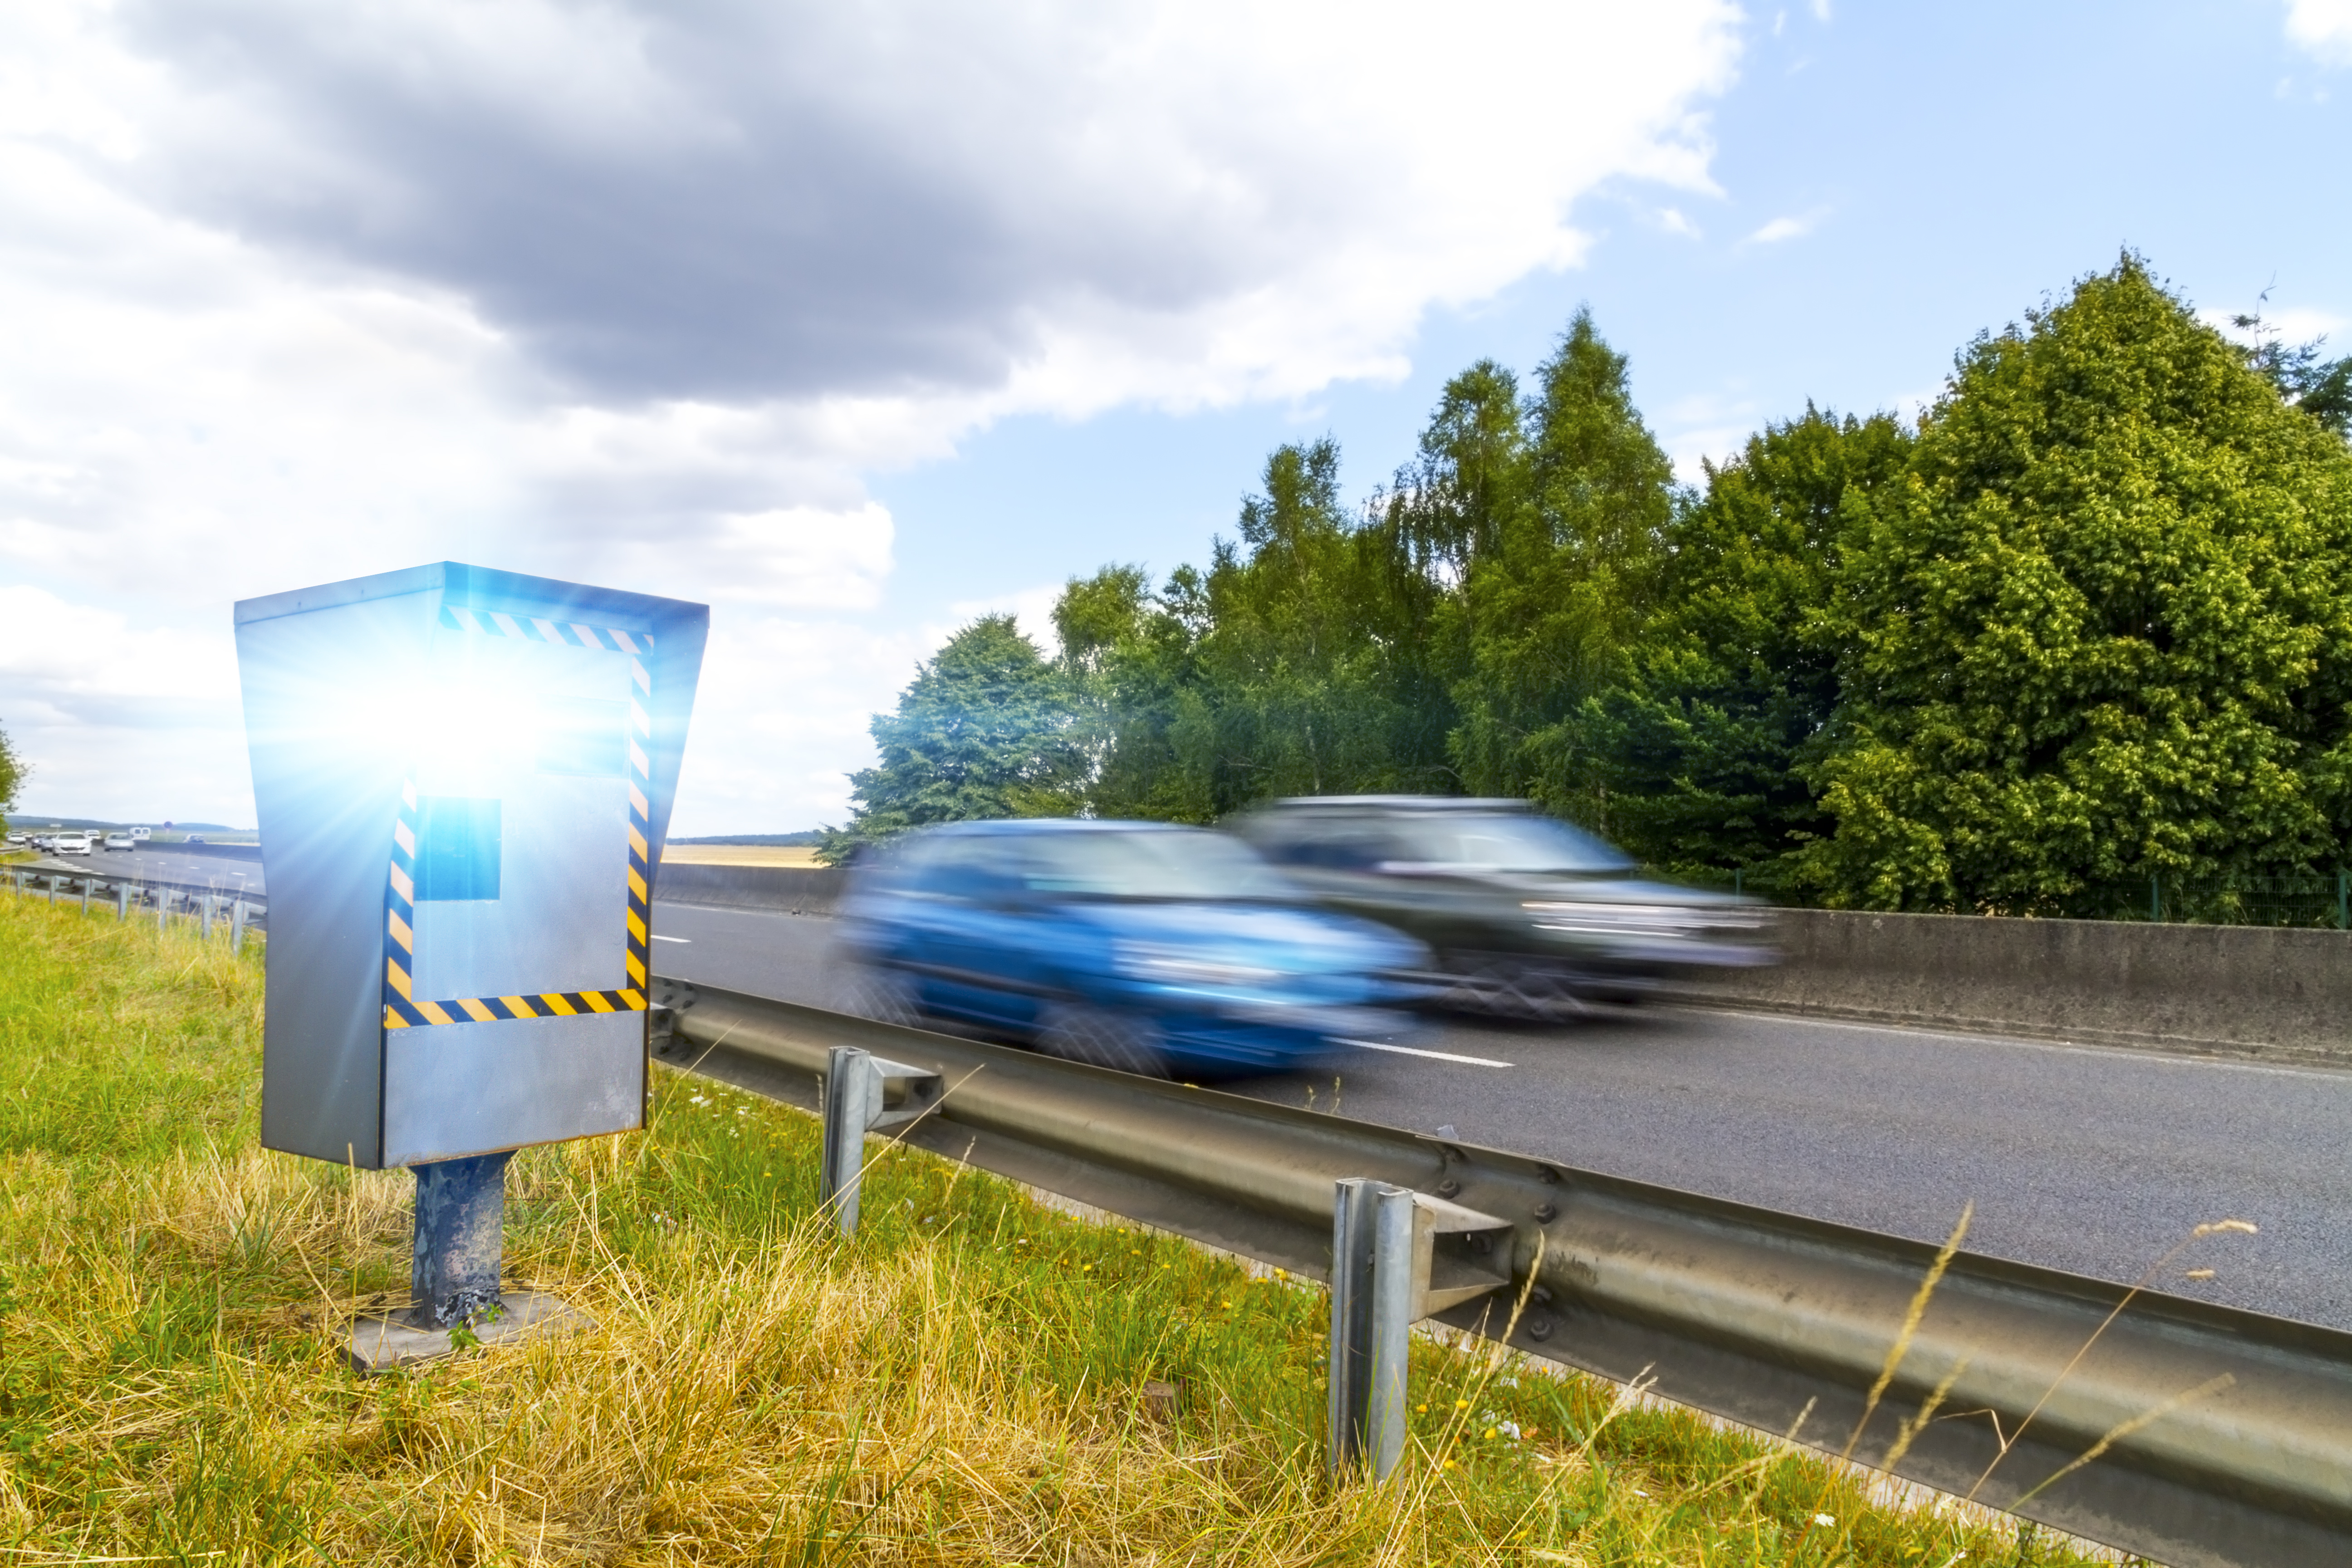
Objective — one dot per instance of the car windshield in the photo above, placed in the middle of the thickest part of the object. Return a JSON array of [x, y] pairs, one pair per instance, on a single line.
[[1159, 864], [1512, 843]]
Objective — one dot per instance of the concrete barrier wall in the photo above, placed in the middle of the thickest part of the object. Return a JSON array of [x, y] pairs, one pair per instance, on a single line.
[[804, 890], [2210, 990]]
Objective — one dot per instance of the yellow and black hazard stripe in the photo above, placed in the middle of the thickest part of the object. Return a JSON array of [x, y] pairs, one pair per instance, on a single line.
[[641, 828], [400, 916], [401, 1009], [532, 629], [403, 1014]]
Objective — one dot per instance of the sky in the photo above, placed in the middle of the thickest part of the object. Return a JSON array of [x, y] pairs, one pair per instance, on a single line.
[[854, 322]]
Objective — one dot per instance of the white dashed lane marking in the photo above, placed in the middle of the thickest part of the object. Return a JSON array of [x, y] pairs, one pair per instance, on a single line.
[[1433, 1055]]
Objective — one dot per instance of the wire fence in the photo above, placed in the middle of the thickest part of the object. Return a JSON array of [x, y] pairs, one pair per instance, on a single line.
[[2320, 902], [2323, 903]]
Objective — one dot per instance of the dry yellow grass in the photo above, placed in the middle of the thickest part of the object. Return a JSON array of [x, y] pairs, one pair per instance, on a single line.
[[737, 855], [961, 1384]]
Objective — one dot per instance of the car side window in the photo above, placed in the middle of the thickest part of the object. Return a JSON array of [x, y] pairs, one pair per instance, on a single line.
[[1348, 849], [972, 868]]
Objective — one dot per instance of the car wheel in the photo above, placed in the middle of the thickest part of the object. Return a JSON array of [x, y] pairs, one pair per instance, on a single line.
[[1077, 1031], [884, 995]]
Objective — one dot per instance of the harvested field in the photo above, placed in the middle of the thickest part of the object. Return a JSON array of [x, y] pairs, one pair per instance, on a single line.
[[737, 855]]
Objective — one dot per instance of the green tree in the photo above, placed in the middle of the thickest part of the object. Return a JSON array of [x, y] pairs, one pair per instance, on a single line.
[[1312, 678], [986, 729], [1736, 673], [2320, 387], [1297, 664], [1451, 506], [12, 772], [2100, 631], [1558, 582], [1129, 658]]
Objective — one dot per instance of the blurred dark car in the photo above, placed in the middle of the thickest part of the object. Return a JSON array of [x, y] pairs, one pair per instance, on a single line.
[[1134, 945], [1528, 916]]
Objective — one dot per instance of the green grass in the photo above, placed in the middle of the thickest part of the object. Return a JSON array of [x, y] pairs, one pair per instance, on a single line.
[[961, 1384]]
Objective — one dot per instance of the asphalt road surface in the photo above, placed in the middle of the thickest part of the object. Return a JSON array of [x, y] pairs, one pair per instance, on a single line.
[[2094, 1160], [166, 863]]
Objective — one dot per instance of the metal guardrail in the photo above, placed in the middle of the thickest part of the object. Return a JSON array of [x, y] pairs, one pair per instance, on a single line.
[[96, 873], [239, 908], [2214, 1436]]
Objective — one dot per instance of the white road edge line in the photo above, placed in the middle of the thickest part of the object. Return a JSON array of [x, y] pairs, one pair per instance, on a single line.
[[1433, 1055], [658, 937]]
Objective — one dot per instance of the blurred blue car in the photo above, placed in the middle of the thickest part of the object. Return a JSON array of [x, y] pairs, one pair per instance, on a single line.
[[1136, 946]]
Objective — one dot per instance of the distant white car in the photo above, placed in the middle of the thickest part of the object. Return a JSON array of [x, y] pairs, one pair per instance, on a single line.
[[120, 841], [69, 843], [141, 835]]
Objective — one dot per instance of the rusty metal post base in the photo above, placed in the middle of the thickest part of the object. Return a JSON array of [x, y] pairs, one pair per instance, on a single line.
[[460, 1238]]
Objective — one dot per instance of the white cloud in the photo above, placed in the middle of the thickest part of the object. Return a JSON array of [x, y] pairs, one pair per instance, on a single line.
[[640, 295], [104, 709], [1672, 220], [2322, 27], [1705, 427], [2290, 324], [1032, 609], [1781, 228]]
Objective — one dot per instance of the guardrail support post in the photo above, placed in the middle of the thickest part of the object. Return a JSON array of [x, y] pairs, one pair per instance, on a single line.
[[121, 903], [857, 1092], [1397, 1289], [163, 908], [53, 890], [85, 895], [204, 921], [1355, 1211], [1396, 1258], [236, 928]]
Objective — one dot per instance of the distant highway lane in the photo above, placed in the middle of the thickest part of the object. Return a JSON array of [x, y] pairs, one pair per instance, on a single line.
[[2090, 1159], [165, 864]]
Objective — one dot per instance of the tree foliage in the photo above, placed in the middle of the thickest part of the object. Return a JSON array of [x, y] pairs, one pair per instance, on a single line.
[[2320, 387], [986, 729], [2090, 621], [1568, 569], [12, 772], [1297, 664], [1694, 750], [2100, 630]]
